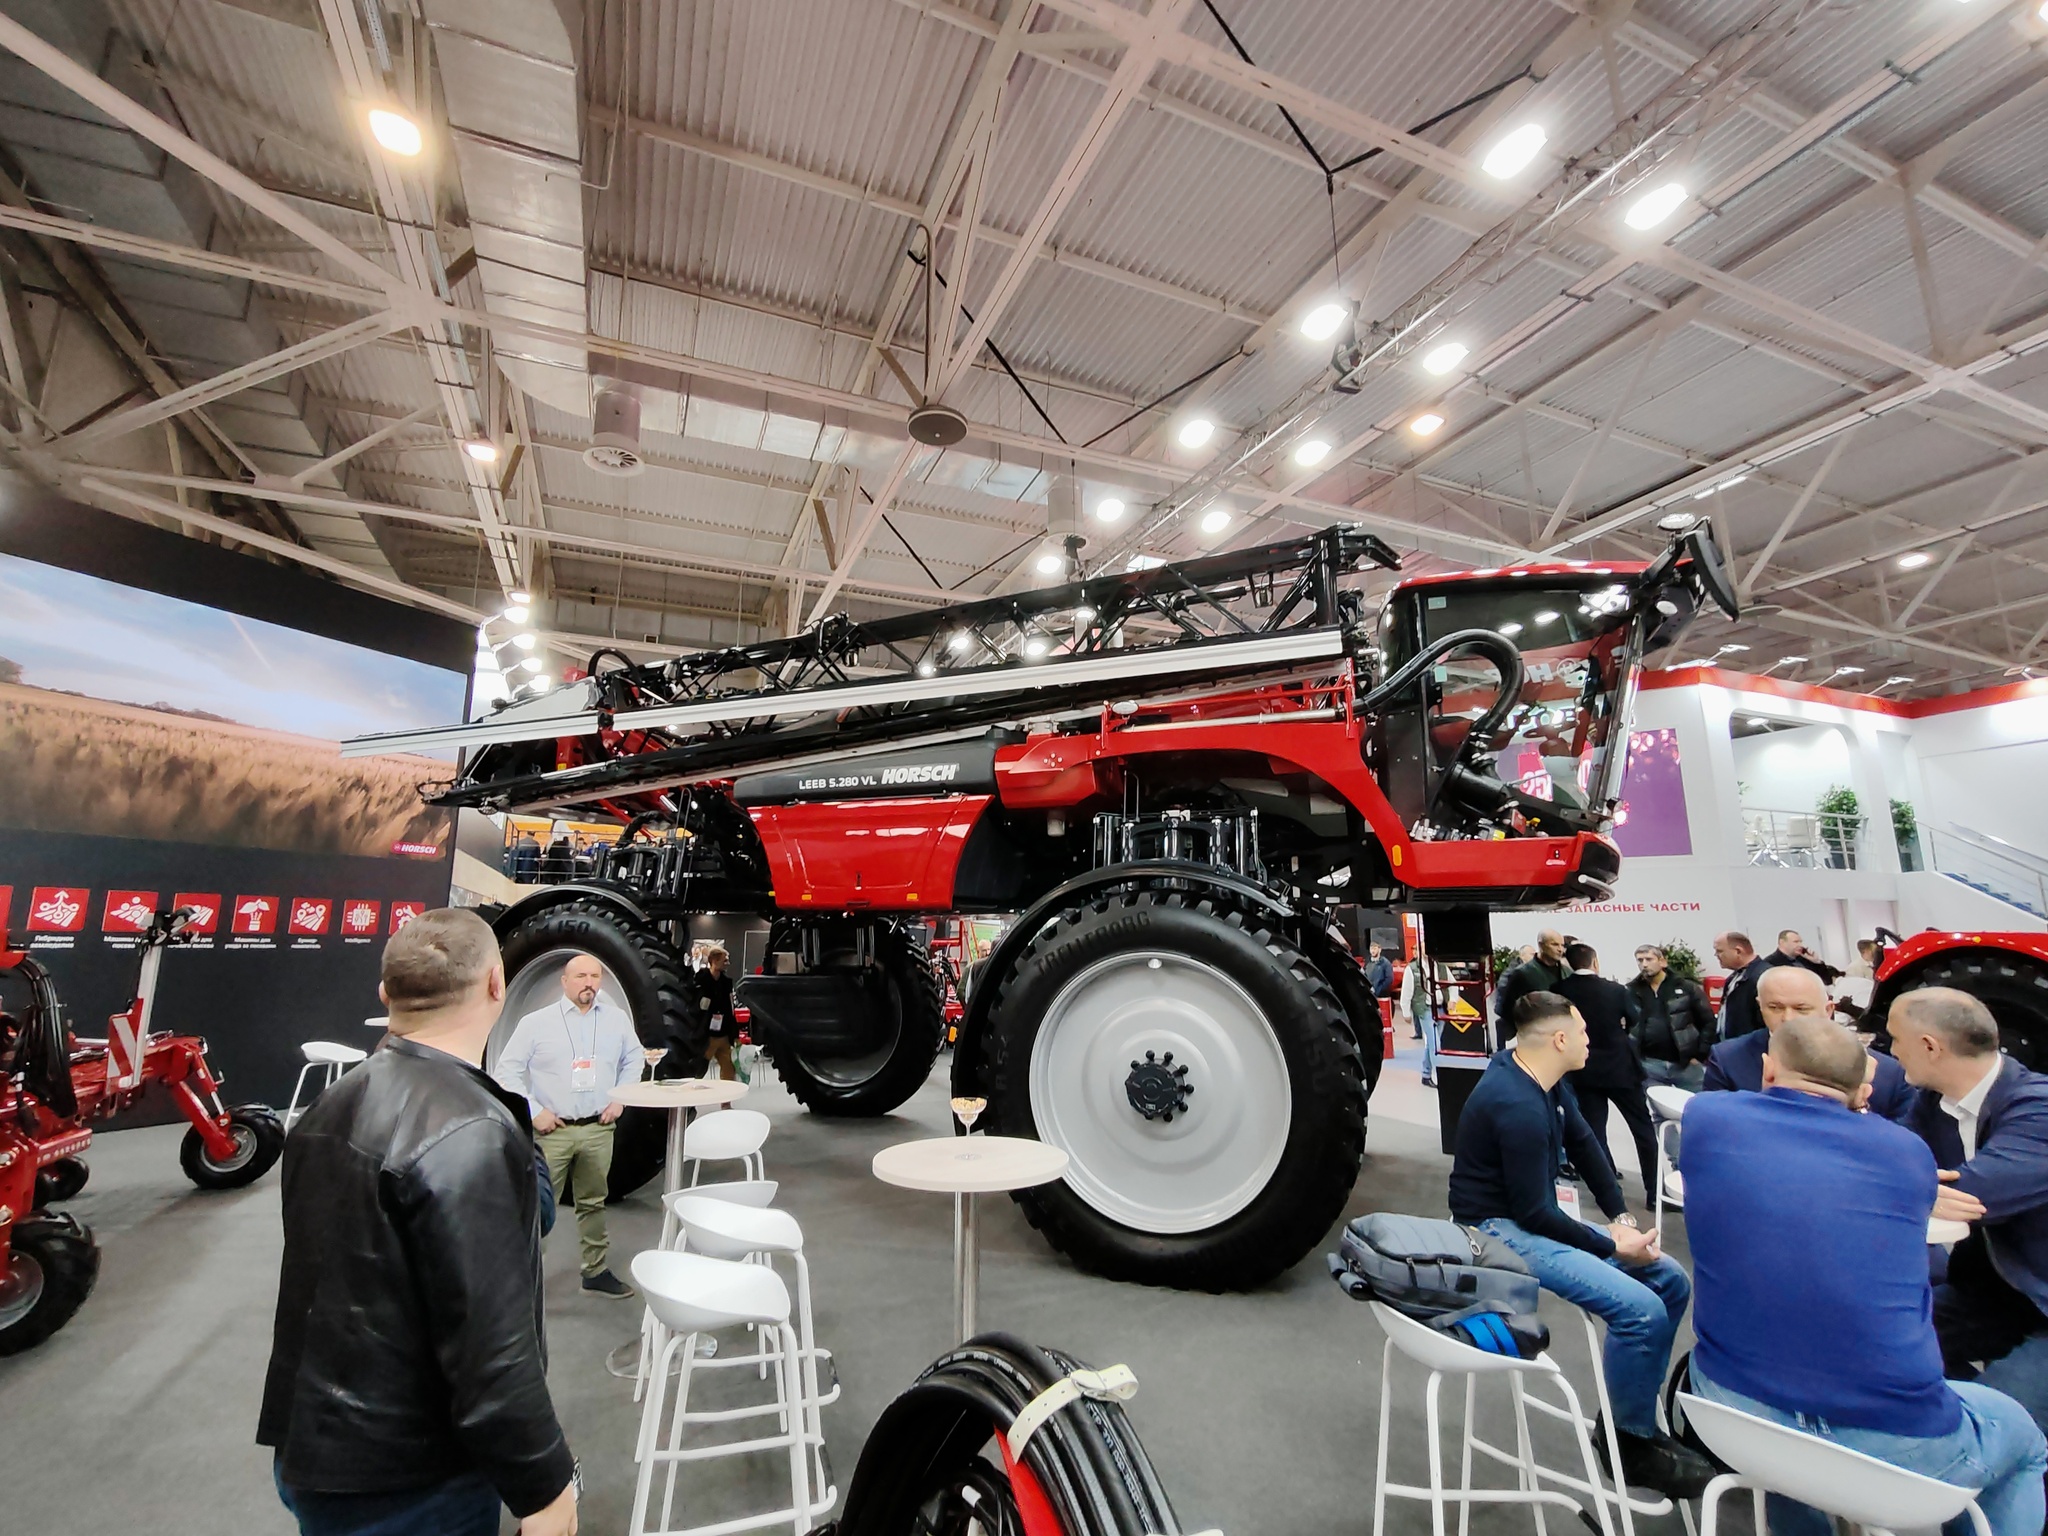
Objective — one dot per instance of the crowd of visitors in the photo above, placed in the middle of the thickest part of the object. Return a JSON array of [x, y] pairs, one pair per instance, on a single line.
[[1810, 1170]]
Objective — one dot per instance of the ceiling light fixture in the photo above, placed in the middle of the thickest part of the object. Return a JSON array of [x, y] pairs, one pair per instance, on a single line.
[[1311, 453], [1324, 321], [1109, 510], [482, 449], [1425, 424], [541, 684], [1195, 432], [1444, 358], [1512, 152], [961, 641], [516, 614], [1049, 564], [532, 664], [1035, 647], [395, 132], [520, 597], [525, 642], [1913, 561], [1215, 520], [1655, 206], [927, 668]]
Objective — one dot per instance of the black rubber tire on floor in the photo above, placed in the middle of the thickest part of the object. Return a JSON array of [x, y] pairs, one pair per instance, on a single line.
[[1340, 968], [2013, 986], [69, 1261], [261, 1123], [1326, 1136], [652, 976], [907, 971], [61, 1181]]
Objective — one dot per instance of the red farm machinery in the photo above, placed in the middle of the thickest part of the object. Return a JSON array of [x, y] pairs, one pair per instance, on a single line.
[[54, 1087], [1167, 779]]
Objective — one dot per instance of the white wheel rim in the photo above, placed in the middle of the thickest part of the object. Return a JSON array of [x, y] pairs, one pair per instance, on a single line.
[[1212, 1159]]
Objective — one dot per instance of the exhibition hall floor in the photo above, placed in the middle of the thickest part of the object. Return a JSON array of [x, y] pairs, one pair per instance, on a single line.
[[1258, 1410]]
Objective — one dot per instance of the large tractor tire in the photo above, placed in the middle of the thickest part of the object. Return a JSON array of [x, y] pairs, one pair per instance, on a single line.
[[2013, 986], [872, 1070], [1202, 1079], [641, 973], [1340, 968], [51, 1266]]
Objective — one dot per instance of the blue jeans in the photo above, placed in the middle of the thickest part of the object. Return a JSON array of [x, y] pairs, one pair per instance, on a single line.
[[462, 1506], [1691, 1077], [1997, 1448], [1640, 1303], [1432, 1036]]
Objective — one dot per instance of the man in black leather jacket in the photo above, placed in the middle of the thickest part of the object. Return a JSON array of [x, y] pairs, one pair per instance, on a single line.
[[408, 1375]]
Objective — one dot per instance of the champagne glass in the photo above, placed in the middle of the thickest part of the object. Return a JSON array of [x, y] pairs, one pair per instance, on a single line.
[[968, 1111]]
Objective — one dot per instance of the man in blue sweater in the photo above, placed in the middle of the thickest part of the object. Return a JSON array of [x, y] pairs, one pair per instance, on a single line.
[[1808, 1226], [1986, 1118], [1513, 1139], [1792, 992]]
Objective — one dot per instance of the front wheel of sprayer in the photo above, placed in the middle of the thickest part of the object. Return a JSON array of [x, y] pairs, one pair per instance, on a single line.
[[52, 1264], [259, 1140]]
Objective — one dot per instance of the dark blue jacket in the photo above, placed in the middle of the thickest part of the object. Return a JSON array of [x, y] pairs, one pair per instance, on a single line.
[[1513, 1139], [1379, 975], [1739, 1010], [2009, 1173], [1808, 1230], [1739, 1063]]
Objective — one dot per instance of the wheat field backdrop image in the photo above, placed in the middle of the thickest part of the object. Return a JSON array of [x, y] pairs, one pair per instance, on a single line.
[[129, 713]]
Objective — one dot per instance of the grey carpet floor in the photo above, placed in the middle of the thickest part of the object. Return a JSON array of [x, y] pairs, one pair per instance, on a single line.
[[1259, 1410]]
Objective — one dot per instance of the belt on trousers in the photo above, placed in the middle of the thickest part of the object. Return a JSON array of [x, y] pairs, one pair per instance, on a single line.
[[586, 1120]]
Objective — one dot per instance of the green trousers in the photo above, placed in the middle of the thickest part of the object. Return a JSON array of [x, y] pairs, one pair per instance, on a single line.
[[586, 1152]]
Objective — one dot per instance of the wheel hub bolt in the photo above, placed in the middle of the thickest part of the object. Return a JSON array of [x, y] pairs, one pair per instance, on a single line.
[[1157, 1089]]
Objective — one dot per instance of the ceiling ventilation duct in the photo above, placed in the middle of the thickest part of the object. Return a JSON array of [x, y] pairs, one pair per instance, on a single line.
[[615, 433], [508, 73]]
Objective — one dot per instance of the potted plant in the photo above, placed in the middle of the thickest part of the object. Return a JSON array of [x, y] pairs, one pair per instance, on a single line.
[[1681, 959], [1841, 824], [1906, 832]]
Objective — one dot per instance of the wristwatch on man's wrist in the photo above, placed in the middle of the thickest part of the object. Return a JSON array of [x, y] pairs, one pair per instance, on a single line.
[[1627, 1219]]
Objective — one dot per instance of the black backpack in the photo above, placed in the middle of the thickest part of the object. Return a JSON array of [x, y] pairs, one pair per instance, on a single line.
[[1455, 1279]]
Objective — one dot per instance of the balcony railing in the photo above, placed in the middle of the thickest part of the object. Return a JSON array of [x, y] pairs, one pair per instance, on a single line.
[[1990, 865], [1778, 839]]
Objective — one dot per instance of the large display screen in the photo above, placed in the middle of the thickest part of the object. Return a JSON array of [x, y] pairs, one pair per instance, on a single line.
[[170, 720]]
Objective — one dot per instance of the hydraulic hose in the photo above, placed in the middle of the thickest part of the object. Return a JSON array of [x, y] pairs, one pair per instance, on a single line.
[[1085, 1456], [1496, 647]]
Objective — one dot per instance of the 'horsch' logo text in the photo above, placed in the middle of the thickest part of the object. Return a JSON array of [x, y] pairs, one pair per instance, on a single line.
[[922, 773]]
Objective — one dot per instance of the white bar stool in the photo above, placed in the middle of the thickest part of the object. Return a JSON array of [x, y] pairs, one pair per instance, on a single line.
[[720, 1229], [1442, 1355], [1667, 1104], [1772, 1458], [690, 1294], [726, 1135], [330, 1058]]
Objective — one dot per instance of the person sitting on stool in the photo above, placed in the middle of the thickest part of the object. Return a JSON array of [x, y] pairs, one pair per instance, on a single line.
[[567, 1058], [1808, 1227], [714, 1004], [1513, 1138], [1613, 1073], [1986, 1118], [1792, 992]]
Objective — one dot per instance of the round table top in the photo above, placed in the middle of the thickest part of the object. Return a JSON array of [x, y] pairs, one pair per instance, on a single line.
[[970, 1165], [678, 1093], [1943, 1231]]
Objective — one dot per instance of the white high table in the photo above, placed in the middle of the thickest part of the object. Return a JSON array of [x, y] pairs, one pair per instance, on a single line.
[[680, 1096], [966, 1166]]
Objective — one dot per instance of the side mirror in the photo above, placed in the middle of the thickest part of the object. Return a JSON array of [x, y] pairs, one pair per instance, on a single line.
[[1693, 559]]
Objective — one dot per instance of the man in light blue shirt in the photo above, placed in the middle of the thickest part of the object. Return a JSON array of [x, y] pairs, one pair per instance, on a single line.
[[566, 1058]]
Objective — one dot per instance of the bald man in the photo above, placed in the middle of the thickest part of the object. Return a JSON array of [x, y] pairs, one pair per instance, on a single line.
[[1784, 993], [1986, 1118], [1541, 972], [1808, 1230]]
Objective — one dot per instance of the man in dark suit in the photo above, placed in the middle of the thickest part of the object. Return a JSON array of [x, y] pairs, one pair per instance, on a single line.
[[1613, 1073], [1541, 972], [1739, 1015], [1790, 992], [1986, 1118]]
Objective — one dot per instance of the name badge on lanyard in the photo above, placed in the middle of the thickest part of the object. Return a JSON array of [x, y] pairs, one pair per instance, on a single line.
[[1568, 1198], [583, 1074]]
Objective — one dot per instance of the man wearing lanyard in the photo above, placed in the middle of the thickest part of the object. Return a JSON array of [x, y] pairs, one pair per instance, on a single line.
[[714, 1005], [566, 1058]]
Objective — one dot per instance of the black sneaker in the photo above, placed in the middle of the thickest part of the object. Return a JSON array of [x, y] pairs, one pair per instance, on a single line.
[[605, 1283], [1657, 1462]]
